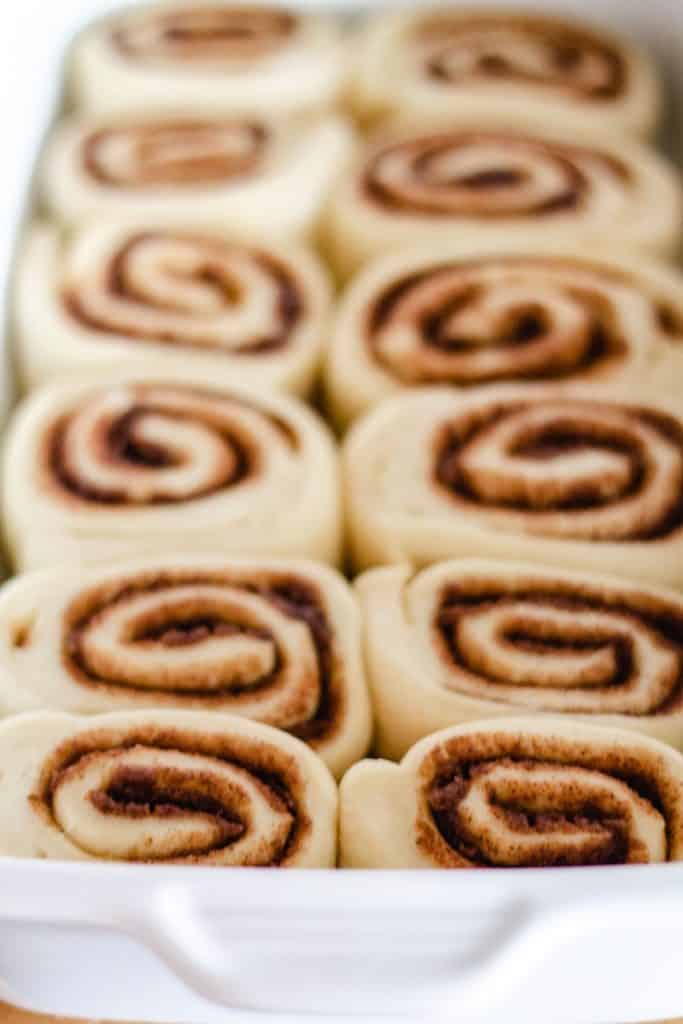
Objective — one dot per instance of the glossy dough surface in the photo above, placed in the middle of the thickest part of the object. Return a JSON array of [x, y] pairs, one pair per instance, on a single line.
[[164, 787], [471, 639], [95, 474], [519, 793]]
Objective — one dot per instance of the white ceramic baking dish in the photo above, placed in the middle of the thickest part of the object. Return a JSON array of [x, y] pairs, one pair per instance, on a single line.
[[202, 946]]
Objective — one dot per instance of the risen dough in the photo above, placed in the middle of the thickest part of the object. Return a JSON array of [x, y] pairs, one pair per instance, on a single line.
[[470, 639], [571, 478], [477, 180], [163, 786], [232, 175], [518, 793], [472, 313], [95, 473], [221, 57], [274, 640], [109, 296], [527, 68]]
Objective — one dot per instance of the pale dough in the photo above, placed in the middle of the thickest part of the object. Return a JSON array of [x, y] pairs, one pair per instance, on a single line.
[[522, 768], [95, 473], [240, 793], [274, 640], [113, 295]]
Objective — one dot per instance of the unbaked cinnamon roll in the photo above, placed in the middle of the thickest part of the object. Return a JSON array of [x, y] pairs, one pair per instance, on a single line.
[[273, 640], [479, 181], [164, 787], [520, 793], [528, 68], [469, 315], [239, 174], [574, 479], [111, 296], [469, 639], [219, 57], [94, 474]]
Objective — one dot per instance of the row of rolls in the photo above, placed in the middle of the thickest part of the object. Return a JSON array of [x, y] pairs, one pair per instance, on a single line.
[[493, 216], [469, 176], [572, 478], [202, 711], [472, 177], [229, 58], [413, 126], [481, 304], [462, 313]]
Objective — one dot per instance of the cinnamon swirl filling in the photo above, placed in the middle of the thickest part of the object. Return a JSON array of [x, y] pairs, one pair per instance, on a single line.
[[566, 468], [547, 54], [147, 444], [166, 794], [503, 318], [191, 291], [157, 155], [201, 35], [258, 643], [490, 174], [563, 645], [536, 800]]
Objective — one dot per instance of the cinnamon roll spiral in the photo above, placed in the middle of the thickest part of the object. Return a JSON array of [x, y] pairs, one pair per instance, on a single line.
[[233, 174], [529, 68], [470, 639], [218, 57], [276, 641], [216, 35], [469, 315], [164, 787], [97, 474], [479, 181], [567, 478], [232, 310], [174, 153], [520, 793]]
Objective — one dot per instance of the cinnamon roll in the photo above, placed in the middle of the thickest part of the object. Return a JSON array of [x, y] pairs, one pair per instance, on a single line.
[[94, 474], [468, 315], [513, 794], [239, 174], [471, 639], [273, 640], [163, 787], [111, 296], [526, 67], [481, 181], [574, 479], [220, 57]]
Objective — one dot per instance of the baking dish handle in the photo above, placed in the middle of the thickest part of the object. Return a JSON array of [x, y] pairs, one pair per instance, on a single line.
[[526, 935], [215, 971], [231, 973]]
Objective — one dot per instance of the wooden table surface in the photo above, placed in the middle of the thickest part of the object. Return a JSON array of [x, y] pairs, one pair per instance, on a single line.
[[10, 1015]]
